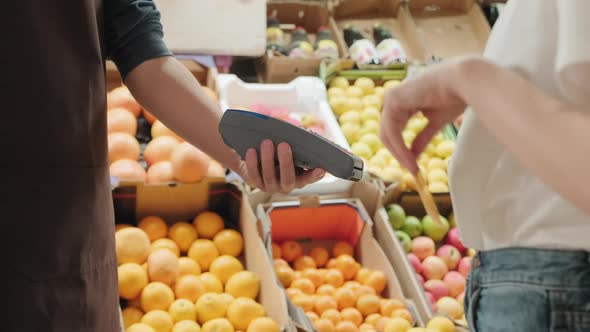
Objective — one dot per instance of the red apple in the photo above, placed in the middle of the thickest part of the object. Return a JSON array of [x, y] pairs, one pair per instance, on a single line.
[[437, 288], [450, 255], [279, 111], [461, 298], [259, 108], [455, 282], [422, 247], [434, 267], [454, 239], [432, 300], [420, 279], [464, 266], [415, 261]]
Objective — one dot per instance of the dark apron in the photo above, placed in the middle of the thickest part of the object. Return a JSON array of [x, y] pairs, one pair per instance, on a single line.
[[56, 216]]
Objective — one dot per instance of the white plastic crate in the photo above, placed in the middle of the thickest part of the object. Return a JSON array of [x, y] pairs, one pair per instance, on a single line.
[[303, 95]]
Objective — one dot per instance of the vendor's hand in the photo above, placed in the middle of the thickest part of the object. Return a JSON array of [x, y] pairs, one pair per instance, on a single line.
[[267, 177], [435, 94]]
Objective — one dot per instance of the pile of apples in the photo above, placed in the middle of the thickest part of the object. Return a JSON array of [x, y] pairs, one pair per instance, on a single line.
[[305, 120], [358, 109], [439, 258]]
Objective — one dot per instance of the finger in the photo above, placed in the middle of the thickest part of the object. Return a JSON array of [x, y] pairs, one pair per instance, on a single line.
[[286, 167], [309, 177], [252, 167], [395, 143], [267, 155]]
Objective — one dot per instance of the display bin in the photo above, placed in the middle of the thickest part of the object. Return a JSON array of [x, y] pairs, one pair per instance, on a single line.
[[304, 96], [394, 251], [183, 202], [324, 222]]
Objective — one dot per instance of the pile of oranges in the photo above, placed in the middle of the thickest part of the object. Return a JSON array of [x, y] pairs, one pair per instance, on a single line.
[[167, 156], [335, 291], [187, 278]]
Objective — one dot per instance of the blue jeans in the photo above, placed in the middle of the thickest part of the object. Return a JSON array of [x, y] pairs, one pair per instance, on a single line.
[[518, 289]]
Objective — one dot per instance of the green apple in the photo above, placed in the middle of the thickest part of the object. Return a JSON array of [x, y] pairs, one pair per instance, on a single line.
[[392, 174], [372, 101], [377, 161], [338, 104], [404, 240], [445, 149], [353, 104], [436, 163], [372, 141], [396, 215], [370, 113], [409, 137], [339, 82], [370, 126], [394, 163], [362, 150], [415, 124], [391, 84], [412, 226], [335, 91], [383, 152], [438, 138], [350, 117], [354, 91], [366, 84], [451, 219], [379, 92], [351, 131], [438, 187], [433, 230], [437, 175]]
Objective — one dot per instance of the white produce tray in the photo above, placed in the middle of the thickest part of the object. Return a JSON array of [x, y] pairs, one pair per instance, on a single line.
[[303, 95]]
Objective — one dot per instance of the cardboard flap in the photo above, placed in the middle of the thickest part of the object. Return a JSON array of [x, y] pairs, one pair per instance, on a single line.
[[309, 201], [365, 9], [309, 15]]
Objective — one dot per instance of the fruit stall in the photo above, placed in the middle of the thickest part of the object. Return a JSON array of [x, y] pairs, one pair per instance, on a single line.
[[199, 250]]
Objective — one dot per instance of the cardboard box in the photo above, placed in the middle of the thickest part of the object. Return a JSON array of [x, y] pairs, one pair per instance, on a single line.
[[325, 222], [446, 28], [183, 202], [310, 15]]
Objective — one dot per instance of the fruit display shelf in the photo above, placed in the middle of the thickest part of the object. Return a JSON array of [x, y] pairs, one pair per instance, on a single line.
[[188, 261], [335, 275], [302, 102]]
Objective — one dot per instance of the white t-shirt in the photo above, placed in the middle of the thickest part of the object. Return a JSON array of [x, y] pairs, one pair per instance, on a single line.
[[498, 202]]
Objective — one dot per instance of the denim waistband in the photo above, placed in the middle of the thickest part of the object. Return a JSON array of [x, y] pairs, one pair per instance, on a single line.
[[543, 267]]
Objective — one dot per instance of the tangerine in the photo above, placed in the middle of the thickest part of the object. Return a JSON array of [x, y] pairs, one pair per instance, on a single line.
[[291, 250]]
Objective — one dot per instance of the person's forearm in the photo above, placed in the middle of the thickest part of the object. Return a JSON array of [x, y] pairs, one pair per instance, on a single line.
[[170, 92], [549, 137]]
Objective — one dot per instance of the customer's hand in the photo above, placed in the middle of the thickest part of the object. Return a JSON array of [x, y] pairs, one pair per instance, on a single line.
[[434, 93], [267, 176]]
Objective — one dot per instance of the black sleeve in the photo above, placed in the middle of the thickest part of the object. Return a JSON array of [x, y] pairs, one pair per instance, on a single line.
[[133, 33]]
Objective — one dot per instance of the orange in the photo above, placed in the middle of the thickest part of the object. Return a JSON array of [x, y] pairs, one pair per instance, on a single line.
[[291, 250], [207, 224], [333, 315], [132, 245], [165, 244], [182, 309], [323, 303], [399, 324], [223, 267], [121, 97], [312, 316], [373, 319], [276, 251], [347, 265], [189, 164], [186, 326], [132, 279], [131, 316], [352, 315], [342, 248], [362, 275], [184, 234], [159, 320], [320, 255], [162, 266], [159, 129], [331, 264], [297, 275], [187, 265], [211, 282], [229, 242], [403, 313], [322, 273], [189, 287], [121, 226], [263, 324], [280, 262], [313, 275], [377, 280], [367, 327], [326, 290], [368, 304], [242, 311], [303, 263], [291, 292], [203, 252], [210, 306], [346, 326], [365, 290], [159, 149], [154, 227], [285, 275], [156, 295], [304, 301], [381, 323], [218, 325], [160, 172], [127, 170], [243, 284], [140, 327], [305, 285], [352, 285], [324, 325], [123, 146], [120, 120], [345, 298], [334, 277], [389, 305], [135, 303]]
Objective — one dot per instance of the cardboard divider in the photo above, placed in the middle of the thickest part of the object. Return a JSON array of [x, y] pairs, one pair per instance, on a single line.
[[183, 202], [449, 27], [334, 220]]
